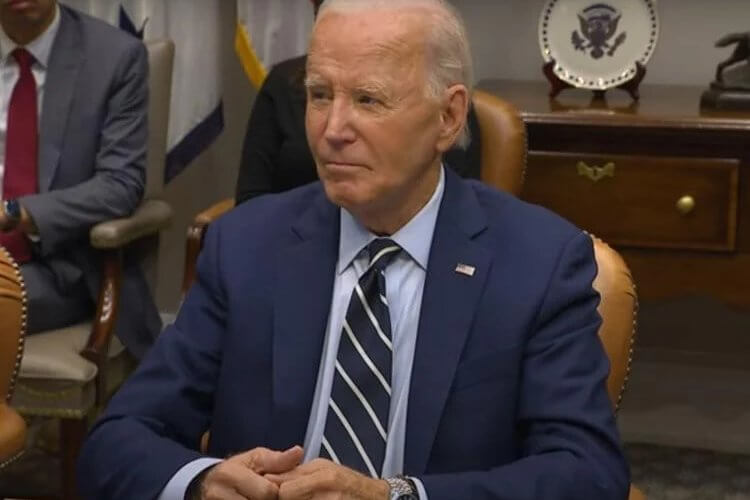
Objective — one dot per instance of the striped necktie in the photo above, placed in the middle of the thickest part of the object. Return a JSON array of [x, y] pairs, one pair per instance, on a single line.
[[356, 428]]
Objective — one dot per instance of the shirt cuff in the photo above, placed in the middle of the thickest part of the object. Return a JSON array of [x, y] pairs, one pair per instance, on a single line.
[[420, 488], [177, 486]]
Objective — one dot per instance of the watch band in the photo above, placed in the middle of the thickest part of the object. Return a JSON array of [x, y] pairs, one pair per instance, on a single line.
[[402, 488]]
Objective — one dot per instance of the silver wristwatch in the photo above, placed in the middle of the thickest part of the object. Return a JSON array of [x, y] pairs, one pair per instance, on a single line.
[[402, 488]]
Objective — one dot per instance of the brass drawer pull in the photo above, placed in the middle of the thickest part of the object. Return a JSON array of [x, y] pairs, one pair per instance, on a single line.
[[685, 205], [595, 173]]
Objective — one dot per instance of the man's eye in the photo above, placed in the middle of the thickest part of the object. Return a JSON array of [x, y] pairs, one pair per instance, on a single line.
[[368, 100], [317, 94]]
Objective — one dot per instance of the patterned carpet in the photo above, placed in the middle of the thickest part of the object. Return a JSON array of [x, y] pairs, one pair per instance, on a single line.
[[662, 473], [665, 473]]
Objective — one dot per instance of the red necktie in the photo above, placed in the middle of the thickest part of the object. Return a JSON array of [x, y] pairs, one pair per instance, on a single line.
[[21, 150]]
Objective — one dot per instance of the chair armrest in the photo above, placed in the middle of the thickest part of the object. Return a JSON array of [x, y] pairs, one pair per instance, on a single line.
[[149, 218], [212, 213], [636, 494], [194, 239]]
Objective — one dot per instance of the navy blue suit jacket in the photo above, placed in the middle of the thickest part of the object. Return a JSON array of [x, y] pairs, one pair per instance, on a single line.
[[507, 397]]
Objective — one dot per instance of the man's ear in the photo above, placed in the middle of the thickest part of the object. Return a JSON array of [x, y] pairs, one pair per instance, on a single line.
[[455, 106]]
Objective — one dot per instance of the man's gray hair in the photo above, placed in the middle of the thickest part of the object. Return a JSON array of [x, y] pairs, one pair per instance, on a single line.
[[448, 53]]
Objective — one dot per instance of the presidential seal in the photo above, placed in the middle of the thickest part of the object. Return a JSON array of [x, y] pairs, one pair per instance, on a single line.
[[598, 26]]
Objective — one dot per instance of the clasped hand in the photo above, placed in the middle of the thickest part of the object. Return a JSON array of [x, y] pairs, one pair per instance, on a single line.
[[263, 474]]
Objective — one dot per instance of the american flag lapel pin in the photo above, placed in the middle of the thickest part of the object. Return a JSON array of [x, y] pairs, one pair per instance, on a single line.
[[465, 269]]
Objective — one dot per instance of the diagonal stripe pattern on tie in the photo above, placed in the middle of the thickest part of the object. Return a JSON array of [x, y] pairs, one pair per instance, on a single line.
[[356, 428]]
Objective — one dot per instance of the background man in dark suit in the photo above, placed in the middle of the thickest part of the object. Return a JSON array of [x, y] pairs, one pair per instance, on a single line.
[[75, 152], [393, 331]]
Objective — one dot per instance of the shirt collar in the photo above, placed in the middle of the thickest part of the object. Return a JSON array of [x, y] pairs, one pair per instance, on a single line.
[[415, 237], [40, 47]]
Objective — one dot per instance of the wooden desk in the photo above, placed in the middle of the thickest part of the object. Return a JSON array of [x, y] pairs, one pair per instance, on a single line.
[[667, 185]]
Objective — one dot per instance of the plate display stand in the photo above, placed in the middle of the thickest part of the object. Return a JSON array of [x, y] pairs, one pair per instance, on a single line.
[[557, 85]]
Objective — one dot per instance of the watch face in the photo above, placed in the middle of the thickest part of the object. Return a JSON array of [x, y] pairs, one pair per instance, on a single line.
[[13, 210]]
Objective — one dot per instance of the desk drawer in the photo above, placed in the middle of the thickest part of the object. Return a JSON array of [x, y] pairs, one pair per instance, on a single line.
[[640, 201]]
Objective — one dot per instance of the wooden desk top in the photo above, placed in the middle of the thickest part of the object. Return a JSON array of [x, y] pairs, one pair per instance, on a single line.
[[660, 106]]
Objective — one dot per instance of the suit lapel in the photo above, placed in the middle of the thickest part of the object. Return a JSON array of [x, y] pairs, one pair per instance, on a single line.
[[448, 304], [302, 303], [65, 63]]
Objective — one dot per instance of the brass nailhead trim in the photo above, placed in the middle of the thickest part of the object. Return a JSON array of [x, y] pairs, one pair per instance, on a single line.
[[10, 460], [22, 336], [631, 351]]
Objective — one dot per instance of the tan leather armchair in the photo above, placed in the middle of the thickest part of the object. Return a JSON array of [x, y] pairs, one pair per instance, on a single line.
[[12, 330], [503, 157], [69, 373]]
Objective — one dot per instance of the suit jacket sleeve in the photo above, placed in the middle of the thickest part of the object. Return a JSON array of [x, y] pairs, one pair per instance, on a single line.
[[570, 445], [154, 424], [117, 185]]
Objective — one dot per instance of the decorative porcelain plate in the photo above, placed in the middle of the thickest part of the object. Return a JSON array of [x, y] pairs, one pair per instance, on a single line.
[[595, 45]]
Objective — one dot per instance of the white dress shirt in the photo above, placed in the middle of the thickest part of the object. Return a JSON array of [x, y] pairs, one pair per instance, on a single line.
[[40, 48]]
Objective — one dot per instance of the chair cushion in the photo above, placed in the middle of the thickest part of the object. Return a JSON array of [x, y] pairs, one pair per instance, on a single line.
[[56, 354], [59, 398]]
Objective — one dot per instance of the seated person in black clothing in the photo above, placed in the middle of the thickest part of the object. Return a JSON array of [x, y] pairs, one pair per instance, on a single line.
[[275, 154]]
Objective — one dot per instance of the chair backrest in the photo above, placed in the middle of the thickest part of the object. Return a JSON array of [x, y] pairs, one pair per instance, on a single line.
[[618, 309], [160, 62], [503, 166], [12, 330], [503, 139]]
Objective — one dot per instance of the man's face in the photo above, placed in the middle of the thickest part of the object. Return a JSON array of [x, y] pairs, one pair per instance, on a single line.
[[371, 127], [27, 12]]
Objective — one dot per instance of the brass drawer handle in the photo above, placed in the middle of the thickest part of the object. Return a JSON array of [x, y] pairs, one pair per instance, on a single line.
[[685, 204], [595, 173]]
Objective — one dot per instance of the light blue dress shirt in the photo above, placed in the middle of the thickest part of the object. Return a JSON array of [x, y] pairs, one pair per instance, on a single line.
[[405, 277]]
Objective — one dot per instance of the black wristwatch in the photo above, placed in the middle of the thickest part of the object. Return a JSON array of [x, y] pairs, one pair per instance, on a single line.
[[12, 210], [402, 488]]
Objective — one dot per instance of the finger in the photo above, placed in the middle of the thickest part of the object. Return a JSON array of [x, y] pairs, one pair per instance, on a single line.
[[303, 487], [235, 477], [263, 460], [222, 493], [279, 462], [303, 470], [287, 476], [256, 487]]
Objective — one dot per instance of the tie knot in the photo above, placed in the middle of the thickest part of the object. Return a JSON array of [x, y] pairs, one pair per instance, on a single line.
[[382, 251], [23, 57]]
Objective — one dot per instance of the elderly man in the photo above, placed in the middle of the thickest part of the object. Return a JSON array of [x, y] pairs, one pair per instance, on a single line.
[[392, 332], [73, 93]]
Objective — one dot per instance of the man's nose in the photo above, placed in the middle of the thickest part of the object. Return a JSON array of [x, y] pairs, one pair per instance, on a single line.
[[339, 123]]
